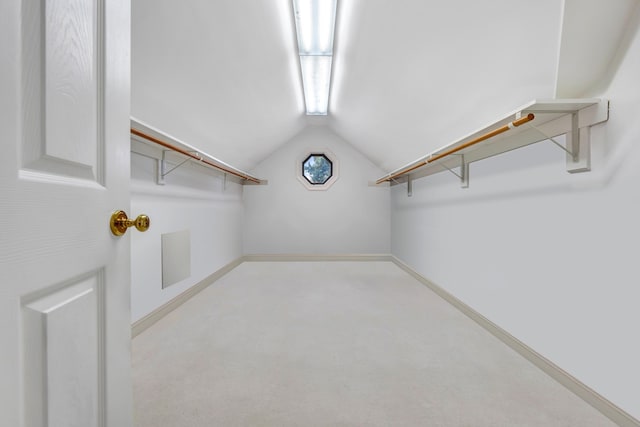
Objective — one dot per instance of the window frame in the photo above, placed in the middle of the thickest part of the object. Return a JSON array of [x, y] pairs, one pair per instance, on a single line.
[[317, 155], [335, 168]]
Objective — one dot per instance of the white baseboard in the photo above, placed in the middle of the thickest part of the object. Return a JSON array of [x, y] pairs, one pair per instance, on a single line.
[[314, 257], [143, 324], [587, 394]]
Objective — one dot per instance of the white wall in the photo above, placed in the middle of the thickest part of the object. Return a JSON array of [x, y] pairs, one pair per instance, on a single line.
[[548, 256], [193, 198], [285, 217]]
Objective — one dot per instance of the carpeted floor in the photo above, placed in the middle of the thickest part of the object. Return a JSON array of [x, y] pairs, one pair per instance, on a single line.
[[336, 344]]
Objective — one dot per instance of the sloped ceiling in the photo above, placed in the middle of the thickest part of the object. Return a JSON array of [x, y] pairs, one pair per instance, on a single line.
[[220, 75], [409, 75], [591, 45], [412, 75]]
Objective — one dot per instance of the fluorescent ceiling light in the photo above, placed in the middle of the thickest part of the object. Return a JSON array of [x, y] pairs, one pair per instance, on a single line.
[[316, 81], [315, 23]]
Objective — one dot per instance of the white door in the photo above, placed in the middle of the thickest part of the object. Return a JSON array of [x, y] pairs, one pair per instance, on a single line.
[[64, 167]]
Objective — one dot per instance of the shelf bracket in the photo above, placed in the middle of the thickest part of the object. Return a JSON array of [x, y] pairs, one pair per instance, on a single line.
[[579, 139], [162, 171], [175, 167], [160, 165], [409, 184], [560, 146], [464, 172], [463, 176], [577, 146]]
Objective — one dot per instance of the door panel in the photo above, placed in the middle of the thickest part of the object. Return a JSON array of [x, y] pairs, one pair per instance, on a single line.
[[64, 288], [63, 335], [61, 87]]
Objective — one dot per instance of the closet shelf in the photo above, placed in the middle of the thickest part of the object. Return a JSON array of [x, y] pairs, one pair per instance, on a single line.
[[536, 121], [178, 152]]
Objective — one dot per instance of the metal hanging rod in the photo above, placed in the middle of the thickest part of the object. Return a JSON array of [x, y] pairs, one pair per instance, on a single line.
[[432, 158], [194, 157]]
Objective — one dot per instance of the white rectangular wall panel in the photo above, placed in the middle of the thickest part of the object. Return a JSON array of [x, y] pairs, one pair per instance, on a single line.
[[176, 257]]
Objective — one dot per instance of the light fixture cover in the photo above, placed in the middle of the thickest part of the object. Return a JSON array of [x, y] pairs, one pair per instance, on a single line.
[[315, 23], [316, 81]]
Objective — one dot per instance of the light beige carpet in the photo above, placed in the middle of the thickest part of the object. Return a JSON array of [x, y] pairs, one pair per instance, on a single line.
[[336, 344]]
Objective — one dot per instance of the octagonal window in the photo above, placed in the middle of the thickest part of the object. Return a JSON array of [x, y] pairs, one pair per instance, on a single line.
[[317, 169]]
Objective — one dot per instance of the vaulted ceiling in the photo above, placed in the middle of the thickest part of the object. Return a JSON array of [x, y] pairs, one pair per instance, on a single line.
[[409, 76]]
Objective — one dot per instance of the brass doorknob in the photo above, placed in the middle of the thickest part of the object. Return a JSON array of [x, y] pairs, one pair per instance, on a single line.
[[120, 222]]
